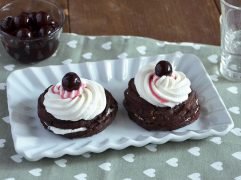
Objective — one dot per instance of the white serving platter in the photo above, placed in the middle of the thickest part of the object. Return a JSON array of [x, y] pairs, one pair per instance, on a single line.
[[34, 142]]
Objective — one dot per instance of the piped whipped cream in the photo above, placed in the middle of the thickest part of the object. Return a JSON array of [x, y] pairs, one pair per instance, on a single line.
[[85, 103], [162, 91]]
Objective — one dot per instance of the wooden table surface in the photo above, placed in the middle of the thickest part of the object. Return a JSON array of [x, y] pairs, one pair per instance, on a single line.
[[169, 20]]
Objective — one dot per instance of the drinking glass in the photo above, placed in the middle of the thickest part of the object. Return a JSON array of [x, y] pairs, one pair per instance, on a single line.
[[230, 66]]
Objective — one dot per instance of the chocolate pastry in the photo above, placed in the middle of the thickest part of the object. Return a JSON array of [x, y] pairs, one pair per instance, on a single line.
[[89, 127], [93, 126], [153, 117]]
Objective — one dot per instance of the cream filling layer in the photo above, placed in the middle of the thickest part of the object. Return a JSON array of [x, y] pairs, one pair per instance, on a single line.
[[67, 131]]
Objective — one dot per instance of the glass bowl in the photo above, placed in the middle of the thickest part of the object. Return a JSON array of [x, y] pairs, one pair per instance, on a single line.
[[36, 48]]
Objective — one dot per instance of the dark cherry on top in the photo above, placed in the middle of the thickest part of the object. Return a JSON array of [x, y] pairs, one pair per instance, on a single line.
[[21, 21], [71, 81], [163, 68], [39, 24], [24, 33]]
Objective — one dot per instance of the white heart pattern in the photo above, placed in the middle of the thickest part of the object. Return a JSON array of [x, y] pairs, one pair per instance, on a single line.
[[11, 178], [2, 143], [151, 147], [195, 46], [236, 131], [105, 166], [150, 172], [216, 140], [233, 89], [237, 178], [234, 110], [61, 162], [122, 55], [36, 172], [6, 119], [172, 162], [9, 67], [81, 176], [141, 50], [129, 157], [74, 34], [2, 86], [72, 44], [237, 155], [107, 45], [179, 53], [87, 55], [126, 37], [194, 151], [86, 155], [92, 37], [214, 77], [67, 61], [217, 165], [160, 44], [194, 176], [17, 158], [213, 58]]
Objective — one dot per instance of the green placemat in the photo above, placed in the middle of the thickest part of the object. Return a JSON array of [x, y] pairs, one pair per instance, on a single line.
[[211, 158]]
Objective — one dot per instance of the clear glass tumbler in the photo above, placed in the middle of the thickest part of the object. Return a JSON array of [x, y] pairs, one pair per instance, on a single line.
[[230, 66]]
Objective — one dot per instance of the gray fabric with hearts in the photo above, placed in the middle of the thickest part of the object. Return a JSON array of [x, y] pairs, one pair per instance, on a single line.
[[210, 158]]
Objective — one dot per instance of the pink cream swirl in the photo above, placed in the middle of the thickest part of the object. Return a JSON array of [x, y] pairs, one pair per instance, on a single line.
[[58, 89], [164, 91]]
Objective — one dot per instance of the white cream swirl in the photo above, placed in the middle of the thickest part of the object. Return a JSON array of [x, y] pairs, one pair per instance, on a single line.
[[88, 102], [162, 91]]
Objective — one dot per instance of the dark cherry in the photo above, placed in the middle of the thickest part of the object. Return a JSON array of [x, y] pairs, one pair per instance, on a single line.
[[7, 24], [71, 81], [53, 24], [45, 31], [21, 21], [27, 26], [32, 20], [24, 33], [163, 68], [42, 18]]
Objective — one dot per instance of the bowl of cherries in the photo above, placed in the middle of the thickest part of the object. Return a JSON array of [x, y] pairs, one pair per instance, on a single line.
[[30, 29]]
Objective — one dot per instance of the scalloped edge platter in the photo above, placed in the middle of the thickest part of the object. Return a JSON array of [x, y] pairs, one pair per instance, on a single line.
[[33, 142]]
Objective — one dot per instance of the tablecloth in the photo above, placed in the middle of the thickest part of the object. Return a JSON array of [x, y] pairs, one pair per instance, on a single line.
[[211, 158]]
